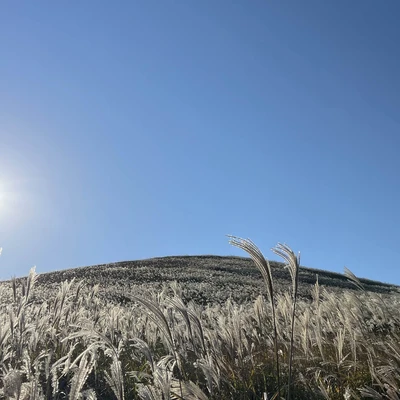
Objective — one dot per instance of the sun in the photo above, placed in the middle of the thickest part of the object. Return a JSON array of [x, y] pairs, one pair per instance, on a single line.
[[3, 198], [7, 203], [2, 204], [2, 195]]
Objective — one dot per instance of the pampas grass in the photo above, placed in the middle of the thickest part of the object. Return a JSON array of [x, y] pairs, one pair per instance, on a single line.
[[264, 267], [69, 342], [293, 264]]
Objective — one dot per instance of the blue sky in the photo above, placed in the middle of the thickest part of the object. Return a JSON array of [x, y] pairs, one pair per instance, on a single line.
[[135, 129]]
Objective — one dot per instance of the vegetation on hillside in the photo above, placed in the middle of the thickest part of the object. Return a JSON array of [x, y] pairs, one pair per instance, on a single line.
[[70, 342]]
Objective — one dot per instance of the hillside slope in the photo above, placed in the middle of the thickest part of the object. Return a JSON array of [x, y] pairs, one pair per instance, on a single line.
[[127, 328], [205, 279]]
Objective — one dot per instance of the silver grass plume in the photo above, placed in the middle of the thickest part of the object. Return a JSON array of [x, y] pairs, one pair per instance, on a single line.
[[353, 279], [157, 316], [80, 376], [264, 267], [190, 391], [116, 379], [293, 264]]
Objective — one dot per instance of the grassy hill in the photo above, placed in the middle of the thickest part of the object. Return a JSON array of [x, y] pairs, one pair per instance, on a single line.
[[196, 328], [205, 278]]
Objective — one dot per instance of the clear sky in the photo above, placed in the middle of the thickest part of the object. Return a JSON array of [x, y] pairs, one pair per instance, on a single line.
[[138, 129]]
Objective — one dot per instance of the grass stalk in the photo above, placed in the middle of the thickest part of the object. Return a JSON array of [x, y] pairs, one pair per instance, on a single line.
[[264, 267], [293, 264]]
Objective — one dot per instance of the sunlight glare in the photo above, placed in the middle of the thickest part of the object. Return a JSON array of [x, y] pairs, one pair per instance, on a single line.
[[2, 196]]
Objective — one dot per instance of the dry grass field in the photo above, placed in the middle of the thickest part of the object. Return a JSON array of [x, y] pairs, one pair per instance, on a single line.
[[201, 327]]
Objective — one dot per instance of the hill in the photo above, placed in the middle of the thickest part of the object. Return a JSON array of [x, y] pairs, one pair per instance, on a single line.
[[127, 331], [204, 278]]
